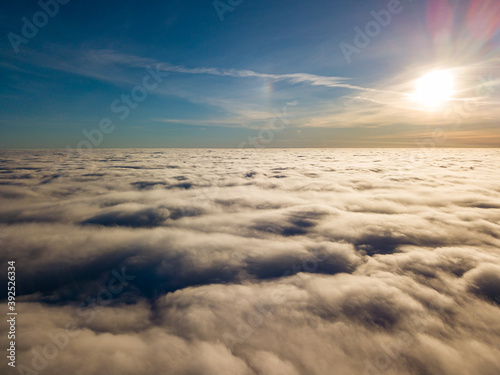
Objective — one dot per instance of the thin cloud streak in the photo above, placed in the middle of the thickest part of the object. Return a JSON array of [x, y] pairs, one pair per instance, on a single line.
[[387, 102]]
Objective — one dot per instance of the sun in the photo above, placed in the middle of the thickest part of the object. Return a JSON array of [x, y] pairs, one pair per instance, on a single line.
[[434, 89]]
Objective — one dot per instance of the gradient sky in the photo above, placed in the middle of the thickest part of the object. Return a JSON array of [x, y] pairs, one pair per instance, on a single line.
[[262, 74]]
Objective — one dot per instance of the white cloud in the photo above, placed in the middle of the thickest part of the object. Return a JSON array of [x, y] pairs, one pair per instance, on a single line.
[[254, 262]]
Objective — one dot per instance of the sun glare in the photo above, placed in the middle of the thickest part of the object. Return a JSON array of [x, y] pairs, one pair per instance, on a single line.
[[434, 89]]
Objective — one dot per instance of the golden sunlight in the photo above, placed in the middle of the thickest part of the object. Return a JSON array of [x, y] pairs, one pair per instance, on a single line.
[[434, 89]]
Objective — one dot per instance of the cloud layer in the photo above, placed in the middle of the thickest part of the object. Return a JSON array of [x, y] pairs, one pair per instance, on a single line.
[[254, 261]]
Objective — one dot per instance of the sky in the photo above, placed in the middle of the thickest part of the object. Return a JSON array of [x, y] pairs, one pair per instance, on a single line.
[[231, 73]]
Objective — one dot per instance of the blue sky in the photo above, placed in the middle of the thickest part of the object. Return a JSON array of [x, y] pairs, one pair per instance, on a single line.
[[262, 74]]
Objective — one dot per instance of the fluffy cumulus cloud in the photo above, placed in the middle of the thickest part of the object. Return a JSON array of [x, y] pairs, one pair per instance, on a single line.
[[253, 262]]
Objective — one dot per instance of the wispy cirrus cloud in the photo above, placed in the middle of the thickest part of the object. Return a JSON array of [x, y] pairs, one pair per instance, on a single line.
[[312, 79], [326, 101], [388, 101]]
